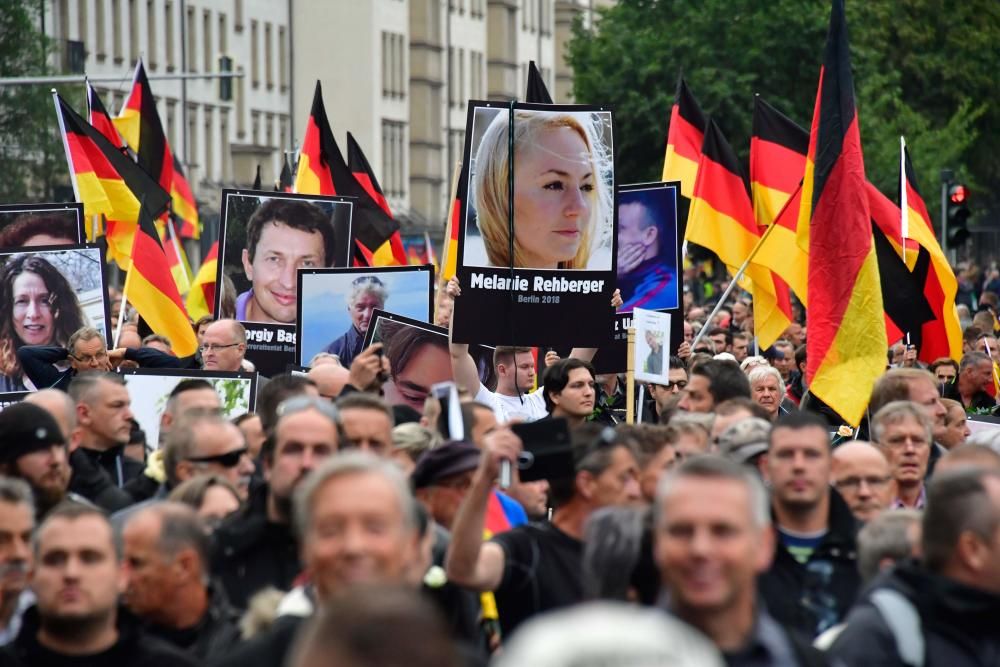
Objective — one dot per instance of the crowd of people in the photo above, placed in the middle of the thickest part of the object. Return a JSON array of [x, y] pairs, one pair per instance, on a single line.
[[740, 522]]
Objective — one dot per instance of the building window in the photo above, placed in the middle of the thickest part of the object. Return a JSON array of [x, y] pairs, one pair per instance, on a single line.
[[209, 145], [208, 53], [386, 64], [255, 127], [223, 35], [238, 16], [460, 99], [116, 30], [452, 67], [192, 53], [101, 37], [192, 139], [254, 54], [151, 33], [282, 58], [172, 127], [133, 32], [394, 158], [283, 139], [393, 65], [268, 57], [227, 163], [168, 29], [241, 107], [82, 26]]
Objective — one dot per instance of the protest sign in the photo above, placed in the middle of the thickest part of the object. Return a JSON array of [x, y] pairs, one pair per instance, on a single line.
[[526, 274], [46, 295], [336, 305], [9, 398], [149, 389], [419, 358], [264, 239], [652, 358], [28, 225]]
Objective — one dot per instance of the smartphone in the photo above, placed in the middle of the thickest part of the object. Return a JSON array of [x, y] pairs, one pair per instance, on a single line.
[[451, 424]]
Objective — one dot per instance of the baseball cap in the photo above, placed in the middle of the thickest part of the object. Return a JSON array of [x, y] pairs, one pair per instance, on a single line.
[[452, 458], [26, 428], [745, 439]]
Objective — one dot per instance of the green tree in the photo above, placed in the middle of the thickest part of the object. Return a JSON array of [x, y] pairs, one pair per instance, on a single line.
[[905, 54], [31, 153]]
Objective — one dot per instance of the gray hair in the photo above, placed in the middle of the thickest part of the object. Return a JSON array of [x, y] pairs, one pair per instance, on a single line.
[[16, 492], [180, 528], [716, 467], [612, 544], [761, 372], [886, 536], [181, 441], [895, 412], [83, 385], [345, 464], [972, 359]]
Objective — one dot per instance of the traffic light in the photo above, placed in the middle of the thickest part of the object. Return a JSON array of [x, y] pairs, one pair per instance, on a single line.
[[958, 214]]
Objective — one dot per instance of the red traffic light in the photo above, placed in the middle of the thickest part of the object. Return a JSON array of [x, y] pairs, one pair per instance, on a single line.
[[957, 194]]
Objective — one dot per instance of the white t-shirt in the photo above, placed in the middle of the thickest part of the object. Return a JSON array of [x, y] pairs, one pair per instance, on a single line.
[[529, 407]]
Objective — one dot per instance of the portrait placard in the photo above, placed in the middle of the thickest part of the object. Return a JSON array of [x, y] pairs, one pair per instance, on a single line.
[[336, 305], [149, 389], [652, 359], [419, 358], [30, 225], [45, 295], [527, 272]]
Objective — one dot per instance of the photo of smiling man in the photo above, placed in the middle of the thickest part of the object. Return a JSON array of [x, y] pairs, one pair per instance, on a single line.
[[282, 235]]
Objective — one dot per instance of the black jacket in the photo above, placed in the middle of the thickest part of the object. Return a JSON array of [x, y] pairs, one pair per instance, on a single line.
[[959, 623], [252, 553], [91, 479], [212, 637], [132, 648], [815, 596], [267, 649]]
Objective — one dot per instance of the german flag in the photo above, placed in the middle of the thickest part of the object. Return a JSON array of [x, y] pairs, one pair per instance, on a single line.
[[537, 92], [721, 219], [140, 126], [98, 116], [285, 181], [684, 139], [201, 299], [847, 339], [778, 149], [941, 336], [106, 180], [906, 308], [323, 171], [177, 260], [449, 255], [391, 252], [151, 289]]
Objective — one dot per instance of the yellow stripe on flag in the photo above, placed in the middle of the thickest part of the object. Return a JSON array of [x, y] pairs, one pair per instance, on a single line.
[[679, 168]]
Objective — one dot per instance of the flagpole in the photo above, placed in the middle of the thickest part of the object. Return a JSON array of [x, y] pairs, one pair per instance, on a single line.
[[904, 222], [732, 285]]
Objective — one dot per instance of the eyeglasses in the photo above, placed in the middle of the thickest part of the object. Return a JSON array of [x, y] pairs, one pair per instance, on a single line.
[[91, 358], [227, 460], [369, 280], [854, 483], [216, 347], [680, 384]]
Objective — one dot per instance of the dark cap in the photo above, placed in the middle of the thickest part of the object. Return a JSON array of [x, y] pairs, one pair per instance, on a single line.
[[26, 428], [452, 458]]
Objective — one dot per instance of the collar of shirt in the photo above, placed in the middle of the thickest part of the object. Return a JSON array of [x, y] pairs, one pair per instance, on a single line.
[[898, 504]]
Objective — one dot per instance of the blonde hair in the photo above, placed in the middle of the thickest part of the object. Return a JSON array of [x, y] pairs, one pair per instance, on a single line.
[[491, 177]]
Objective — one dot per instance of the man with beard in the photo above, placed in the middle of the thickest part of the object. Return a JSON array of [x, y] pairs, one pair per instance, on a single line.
[[17, 521], [32, 448], [77, 578], [256, 547]]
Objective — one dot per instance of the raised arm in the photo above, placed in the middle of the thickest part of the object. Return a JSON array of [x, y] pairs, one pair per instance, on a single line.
[[463, 366], [470, 562], [37, 360]]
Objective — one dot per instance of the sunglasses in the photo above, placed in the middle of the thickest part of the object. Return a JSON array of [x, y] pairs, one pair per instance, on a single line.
[[227, 460], [367, 280]]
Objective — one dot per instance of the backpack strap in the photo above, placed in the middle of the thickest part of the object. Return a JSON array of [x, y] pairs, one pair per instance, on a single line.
[[903, 622]]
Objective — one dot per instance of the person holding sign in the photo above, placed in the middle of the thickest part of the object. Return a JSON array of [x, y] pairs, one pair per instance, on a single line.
[[283, 236], [562, 196], [367, 294], [646, 269]]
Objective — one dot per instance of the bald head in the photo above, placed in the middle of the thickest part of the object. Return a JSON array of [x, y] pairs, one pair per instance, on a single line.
[[861, 474], [59, 405], [330, 379]]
